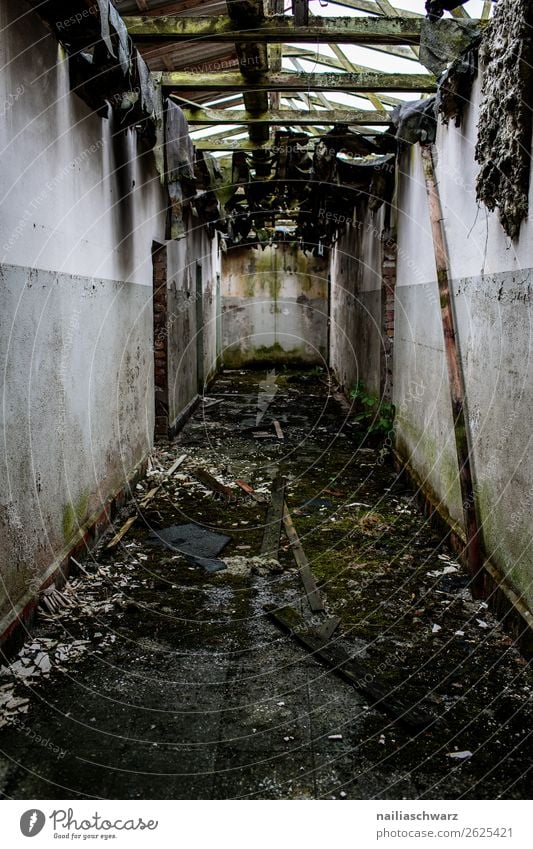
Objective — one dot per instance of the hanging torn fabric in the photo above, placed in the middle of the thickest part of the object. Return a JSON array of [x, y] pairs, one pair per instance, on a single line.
[[180, 167], [124, 42], [103, 6], [416, 121], [455, 88], [112, 24], [444, 41]]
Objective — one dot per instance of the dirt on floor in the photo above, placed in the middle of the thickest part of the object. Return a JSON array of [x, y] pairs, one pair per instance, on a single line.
[[151, 677]]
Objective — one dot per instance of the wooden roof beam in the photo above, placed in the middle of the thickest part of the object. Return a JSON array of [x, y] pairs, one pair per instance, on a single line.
[[288, 117], [252, 56], [369, 81], [277, 29]]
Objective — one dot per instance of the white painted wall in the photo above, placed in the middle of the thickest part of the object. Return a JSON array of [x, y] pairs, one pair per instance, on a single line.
[[491, 281], [274, 306], [73, 198], [183, 258], [79, 212], [356, 344]]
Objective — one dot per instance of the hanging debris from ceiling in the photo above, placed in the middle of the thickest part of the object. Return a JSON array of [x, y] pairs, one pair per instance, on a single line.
[[415, 121], [443, 41], [455, 88], [305, 189], [436, 8], [504, 131], [106, 70], [180, 177]]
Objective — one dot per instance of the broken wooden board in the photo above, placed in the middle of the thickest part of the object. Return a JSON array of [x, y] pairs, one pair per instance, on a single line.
[[214, 485], [350, 668], [149, 495], [277, 428], [123, 530], [211, 402], [274, 519], [129, 522], [308, 580], [328, 628], [176, 465], [249, 490], [79, 566]]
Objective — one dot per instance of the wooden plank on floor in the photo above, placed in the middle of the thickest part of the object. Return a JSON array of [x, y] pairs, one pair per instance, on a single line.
[[277, 428], [328, 628], [249, 490], [129, 522], [274, 519], [211, 402], [176, 465], [149, 495], [124, 529], [353, 670], [308, 579], [214, 485]]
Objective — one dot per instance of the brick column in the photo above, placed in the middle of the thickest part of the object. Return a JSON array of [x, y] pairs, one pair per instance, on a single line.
[[159, 260], [388, 288]]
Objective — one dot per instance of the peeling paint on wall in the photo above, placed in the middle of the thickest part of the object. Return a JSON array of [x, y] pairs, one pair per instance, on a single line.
[[504, 142]]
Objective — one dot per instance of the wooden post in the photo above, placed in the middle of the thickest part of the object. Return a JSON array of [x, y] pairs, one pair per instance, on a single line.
[[474, 553], [300, 10]]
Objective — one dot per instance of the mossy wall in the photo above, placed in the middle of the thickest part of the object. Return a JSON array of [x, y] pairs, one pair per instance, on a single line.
[[356, 346], [274, 306], [491, 281]]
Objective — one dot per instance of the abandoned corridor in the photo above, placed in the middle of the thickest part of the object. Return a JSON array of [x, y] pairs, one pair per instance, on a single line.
[[162, 679]]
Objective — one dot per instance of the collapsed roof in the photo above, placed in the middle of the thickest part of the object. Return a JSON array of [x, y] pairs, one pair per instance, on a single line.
[[287, 125]]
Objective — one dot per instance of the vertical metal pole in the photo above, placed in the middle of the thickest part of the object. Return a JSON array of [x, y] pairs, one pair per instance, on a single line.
[[474, 554]]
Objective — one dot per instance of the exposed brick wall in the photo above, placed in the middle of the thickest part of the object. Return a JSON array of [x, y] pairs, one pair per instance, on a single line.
[[388, 269], [160, 300]]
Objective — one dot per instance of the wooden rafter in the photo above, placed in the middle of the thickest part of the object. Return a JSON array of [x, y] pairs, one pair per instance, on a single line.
[[222, 28], [389, 10], [288, 117], [252, 57], [305, 96], [283, 81], [332, 62]]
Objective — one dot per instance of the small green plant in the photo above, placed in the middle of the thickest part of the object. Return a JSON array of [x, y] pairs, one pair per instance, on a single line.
[[374, 416]]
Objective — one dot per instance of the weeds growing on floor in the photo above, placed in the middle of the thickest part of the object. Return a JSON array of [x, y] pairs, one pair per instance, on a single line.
[[374, 417]]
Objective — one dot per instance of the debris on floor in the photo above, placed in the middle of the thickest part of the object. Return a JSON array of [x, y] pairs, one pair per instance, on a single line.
[[253, 565], [461, 756], [187, 660], [347, 665], [190, 539]]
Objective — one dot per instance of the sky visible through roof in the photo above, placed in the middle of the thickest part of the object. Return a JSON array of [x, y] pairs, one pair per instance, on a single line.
[[372, 59]]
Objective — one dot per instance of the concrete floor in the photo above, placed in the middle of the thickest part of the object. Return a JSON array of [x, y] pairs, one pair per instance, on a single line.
[[181, 687]]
